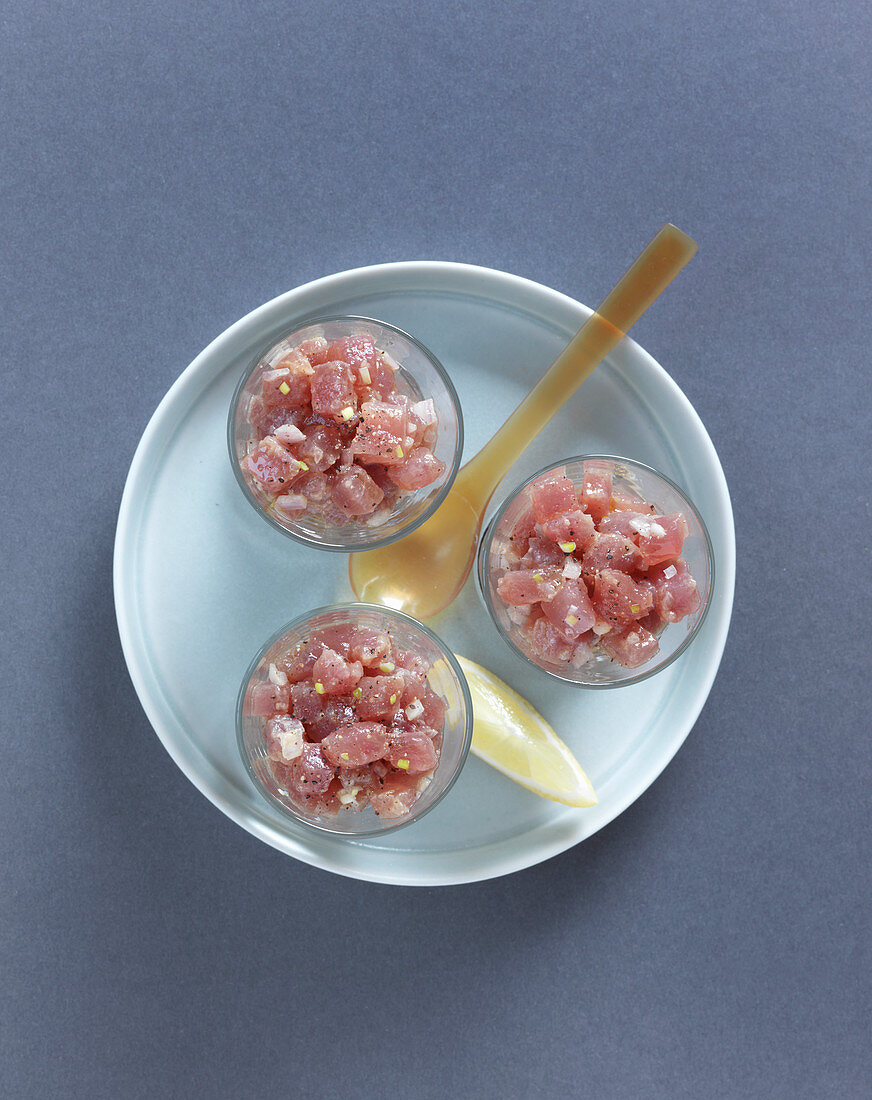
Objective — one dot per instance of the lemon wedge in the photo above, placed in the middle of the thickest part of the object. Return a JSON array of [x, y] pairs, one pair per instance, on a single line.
[[515, 739]]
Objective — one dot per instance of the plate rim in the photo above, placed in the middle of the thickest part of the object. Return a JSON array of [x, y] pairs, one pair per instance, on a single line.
[[500, 862]]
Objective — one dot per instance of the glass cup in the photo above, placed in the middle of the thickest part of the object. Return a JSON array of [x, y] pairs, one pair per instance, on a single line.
[[630, 479], [418, 374], [445, 678]]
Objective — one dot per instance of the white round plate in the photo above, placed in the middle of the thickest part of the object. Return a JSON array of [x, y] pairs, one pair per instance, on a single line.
[[201, 580]]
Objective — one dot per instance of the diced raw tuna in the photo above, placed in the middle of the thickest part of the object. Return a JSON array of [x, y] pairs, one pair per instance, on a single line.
[[353, 799], [311, 803], [421, 468], [619, 599], [660, 538], [652, 622], [621, 523], [402, 402], [315, 350], [611, 552], [331, 514], [313, 486], [336, 636], [354, 492], [380, 697], [284, 738], [413, 687], [522, 532], [355, 350], [596, 489], [548, 644], [265, 419], [334, 674], [573, 526], [525, 526], [631, 646], [291, 505], [570, 610], [268, 698], [396, 795], [622, 503], [333, 393], [419, 704], [281, 770], [411, 752], [532, 613], [280, 387], [541, 553], [289, 435], [524, 586], [338, 711], [356, 744], [318, 804], [362, 776], [675, 591], [583, 651], [272, 466], [382, 434], [434, 706], [423, 422], [307, 703], [310, 773], [550, 495], [369, 646], [355, 787], [298, 662], [380, 475], [411, 661], [341, 709], [320, 447], [288, 382], [383, 381]]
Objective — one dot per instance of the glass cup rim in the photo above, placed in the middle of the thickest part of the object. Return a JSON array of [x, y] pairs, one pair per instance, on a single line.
[[493, 524], [389, 613], [375, 544]]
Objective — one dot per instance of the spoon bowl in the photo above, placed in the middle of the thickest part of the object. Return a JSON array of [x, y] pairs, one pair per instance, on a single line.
[[437, 554]]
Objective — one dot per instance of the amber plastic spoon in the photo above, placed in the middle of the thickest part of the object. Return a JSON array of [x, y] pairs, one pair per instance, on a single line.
[[422, 573]]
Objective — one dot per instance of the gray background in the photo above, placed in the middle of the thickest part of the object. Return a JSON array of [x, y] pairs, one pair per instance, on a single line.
[[166, 168]]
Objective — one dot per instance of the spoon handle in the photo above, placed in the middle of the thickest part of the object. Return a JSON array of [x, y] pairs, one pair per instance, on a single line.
[[647, 277]]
